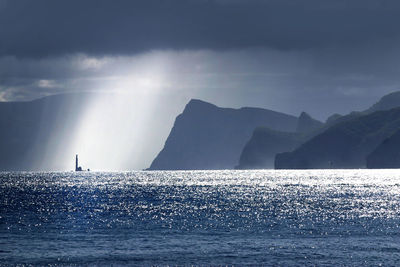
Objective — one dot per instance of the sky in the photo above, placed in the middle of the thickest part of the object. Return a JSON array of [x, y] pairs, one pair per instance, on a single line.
[[318, 56]]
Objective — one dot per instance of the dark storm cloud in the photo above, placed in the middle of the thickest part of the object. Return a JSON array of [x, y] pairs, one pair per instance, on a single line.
[[318, 56], [51, 27], [326, 55]]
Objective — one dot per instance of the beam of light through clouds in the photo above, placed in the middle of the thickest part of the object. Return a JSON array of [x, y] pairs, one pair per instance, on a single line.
[[251, 77], [115, 132], [146, 59], [125, 126]]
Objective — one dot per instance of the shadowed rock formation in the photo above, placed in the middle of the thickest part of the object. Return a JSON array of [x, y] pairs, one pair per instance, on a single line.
[[205, 136], [387, 102], [344, 145], [260, 151], [306, 124], [387, 154]]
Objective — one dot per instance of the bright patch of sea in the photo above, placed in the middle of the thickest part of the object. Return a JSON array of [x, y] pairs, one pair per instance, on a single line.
[[266, 217]]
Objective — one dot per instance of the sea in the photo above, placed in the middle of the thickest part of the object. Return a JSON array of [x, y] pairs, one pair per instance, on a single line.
[[201, 218]]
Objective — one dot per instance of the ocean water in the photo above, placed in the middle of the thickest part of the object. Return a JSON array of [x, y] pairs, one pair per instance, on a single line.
[[288, 218]]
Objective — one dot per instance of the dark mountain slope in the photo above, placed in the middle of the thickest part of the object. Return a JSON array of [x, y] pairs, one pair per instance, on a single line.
[[205, 136], [387, 154], [387, 102], [344, 145], [306, 124], [260, 151]]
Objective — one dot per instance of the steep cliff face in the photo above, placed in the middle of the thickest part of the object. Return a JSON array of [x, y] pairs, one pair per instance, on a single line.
[[260, 151], [344, 145], [387, 154], [205, 136]]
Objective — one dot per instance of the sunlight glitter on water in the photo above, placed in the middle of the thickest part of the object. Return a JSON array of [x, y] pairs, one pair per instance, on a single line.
[[223, 177], [82, 217]]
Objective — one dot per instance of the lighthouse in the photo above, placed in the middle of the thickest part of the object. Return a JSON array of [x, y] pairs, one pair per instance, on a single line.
[[77, 168]]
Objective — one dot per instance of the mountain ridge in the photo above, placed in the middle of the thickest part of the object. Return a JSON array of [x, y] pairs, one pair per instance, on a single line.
[[205, 136], [344, 145]]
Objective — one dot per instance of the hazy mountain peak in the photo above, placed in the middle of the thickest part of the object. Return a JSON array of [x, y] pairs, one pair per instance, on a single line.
[[343, 145], [304, 114], [388, 101], [205, 136], [195, 101], [197, 104], [306, 123]]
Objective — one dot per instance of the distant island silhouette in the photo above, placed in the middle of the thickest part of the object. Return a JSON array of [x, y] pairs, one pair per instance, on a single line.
[[205, 136], [208, 137]]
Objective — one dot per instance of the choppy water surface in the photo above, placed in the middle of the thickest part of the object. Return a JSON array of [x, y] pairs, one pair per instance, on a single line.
[[335, 217]]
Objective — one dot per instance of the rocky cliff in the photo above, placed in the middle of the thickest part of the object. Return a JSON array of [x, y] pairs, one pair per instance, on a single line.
[[260, 151], [387, 154], [306, 124], [205, 136], [343, 145]]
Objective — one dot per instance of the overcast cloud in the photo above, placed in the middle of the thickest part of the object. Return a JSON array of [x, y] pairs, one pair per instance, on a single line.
[[54, 27], [320, 56]]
